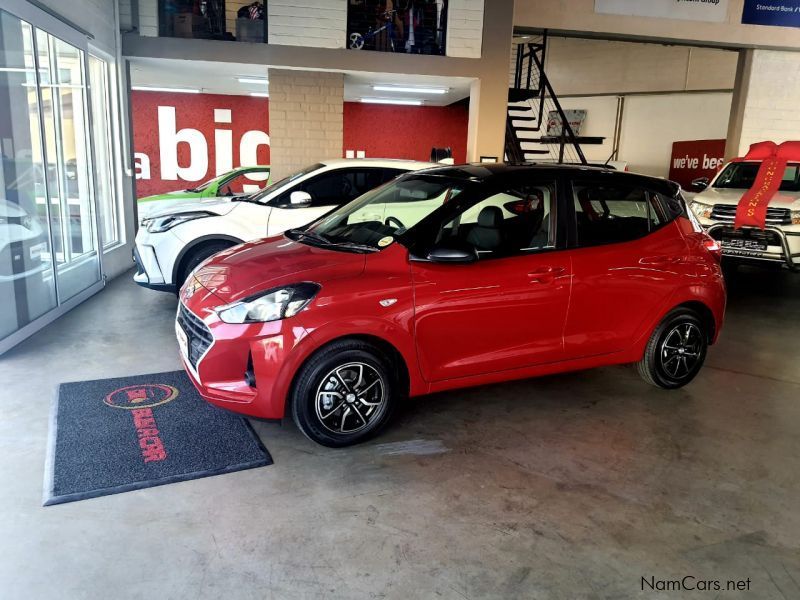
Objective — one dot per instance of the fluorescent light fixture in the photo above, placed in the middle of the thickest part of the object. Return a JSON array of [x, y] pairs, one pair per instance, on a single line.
[[147, 88], [413, 90], [260, 94], [257, 80], [17, 70], [392, 101]]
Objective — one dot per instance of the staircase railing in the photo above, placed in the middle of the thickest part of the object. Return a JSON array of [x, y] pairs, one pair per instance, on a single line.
[[531, 85]]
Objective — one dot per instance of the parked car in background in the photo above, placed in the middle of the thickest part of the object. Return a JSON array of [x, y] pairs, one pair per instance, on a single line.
[[453, 277], [172, 242], [715, 207], [241, 181]]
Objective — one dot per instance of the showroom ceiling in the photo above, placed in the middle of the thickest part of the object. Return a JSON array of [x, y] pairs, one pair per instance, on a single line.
[[249, 79]]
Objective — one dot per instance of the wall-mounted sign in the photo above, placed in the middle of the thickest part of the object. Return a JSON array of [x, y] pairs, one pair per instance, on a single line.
[[695, 158], [575, 118], [690, 10], [778, 13]]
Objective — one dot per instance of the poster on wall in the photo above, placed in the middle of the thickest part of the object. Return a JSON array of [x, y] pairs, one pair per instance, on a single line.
[[407, 26], [777, 13], [715, 11], [695, 158]]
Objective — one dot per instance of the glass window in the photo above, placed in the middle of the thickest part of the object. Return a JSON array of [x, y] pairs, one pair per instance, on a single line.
[[608, 213], [337, 187], [27, 282], [243, 183], [742, 175], [410, 27], [513, 222], [102, 130]]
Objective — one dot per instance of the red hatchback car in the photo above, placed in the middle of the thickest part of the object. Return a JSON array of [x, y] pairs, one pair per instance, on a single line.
[[453, 277]]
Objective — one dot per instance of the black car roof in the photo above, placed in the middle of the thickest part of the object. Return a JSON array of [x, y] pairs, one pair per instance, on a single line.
[[493, 172]]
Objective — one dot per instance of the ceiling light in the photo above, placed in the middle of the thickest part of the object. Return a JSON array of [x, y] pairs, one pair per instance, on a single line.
[[257, 80], [146, 88], [418, 90], [260, 94], [391, 101]]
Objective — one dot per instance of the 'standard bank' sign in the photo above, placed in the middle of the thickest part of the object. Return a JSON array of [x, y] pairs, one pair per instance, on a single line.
[[691, 10]]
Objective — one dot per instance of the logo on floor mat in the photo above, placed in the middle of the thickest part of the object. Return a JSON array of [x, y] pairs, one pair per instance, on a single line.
[[144, 395]]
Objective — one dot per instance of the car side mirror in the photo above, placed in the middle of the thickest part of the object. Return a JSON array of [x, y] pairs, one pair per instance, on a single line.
[[700, 183], [443, 254], [299, 199]]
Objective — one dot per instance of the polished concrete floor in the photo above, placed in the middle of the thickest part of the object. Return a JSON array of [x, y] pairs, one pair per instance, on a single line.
[[568, 487]]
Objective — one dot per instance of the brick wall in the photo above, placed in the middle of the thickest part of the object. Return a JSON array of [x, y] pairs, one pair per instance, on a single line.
[[770, 111], [148, 18], [316, 23], [465, 28], [306, 118]]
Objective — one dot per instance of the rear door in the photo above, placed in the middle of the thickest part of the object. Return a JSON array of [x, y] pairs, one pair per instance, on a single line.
[[328, 190], [629, 257]]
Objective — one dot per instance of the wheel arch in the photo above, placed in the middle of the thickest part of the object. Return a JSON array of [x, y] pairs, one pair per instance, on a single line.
[[706, 316], [195, 244]]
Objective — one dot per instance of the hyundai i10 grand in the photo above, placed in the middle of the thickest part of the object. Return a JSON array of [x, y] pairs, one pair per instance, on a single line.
[[453, 277]]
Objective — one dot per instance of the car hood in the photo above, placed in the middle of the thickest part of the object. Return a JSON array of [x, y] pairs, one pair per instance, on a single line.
[[250, 268], [732, 196], [218, 206]]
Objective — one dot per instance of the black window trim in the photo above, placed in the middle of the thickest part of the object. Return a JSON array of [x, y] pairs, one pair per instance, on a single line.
[[298, 186]]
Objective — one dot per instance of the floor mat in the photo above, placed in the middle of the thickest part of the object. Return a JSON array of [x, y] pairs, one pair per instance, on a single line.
[[115, 435]]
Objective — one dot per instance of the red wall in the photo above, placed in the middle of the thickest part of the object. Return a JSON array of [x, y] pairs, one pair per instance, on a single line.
[[194, 111], [381, 131], [392, 131]]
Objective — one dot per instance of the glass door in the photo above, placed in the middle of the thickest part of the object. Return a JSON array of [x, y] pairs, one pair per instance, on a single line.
[[48, 218]]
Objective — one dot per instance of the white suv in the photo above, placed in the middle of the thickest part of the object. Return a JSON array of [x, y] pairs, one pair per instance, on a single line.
[[171, 243], [715, 207]]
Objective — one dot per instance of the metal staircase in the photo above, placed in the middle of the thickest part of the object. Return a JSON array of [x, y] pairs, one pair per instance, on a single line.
[[531, 100]]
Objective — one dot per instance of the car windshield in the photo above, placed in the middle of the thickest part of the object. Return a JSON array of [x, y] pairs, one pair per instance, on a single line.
[[260, 195], [376, 218], [203, 186], [742, 175]]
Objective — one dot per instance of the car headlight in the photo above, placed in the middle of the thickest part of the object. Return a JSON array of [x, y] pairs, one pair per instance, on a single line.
[[159, 224], [702, 211], [272, 305]]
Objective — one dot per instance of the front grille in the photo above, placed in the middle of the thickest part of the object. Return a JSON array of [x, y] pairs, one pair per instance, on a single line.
[[770, 238], [197, 333], [727, 214]]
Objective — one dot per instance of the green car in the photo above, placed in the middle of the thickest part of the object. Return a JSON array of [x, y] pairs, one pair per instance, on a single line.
[[244, 180]]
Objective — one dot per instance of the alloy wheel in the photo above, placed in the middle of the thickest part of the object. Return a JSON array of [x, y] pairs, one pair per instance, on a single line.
[[350, 397], [681, 350]]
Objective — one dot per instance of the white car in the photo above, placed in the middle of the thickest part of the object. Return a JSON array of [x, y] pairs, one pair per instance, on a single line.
[[171, 243], [715, 208]]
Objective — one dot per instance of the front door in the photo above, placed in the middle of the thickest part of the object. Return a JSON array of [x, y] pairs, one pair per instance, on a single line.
[[507, 309]]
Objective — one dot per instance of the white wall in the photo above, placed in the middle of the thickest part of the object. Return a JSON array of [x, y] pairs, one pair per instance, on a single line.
[[770, 111], [585, 66], [464, 28], [651, 123], [315, 23], [601, 115]]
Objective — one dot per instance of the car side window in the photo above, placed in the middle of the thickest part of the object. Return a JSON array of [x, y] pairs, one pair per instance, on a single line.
[[516, 221], [337, 187], [606, 213], [244, 183]]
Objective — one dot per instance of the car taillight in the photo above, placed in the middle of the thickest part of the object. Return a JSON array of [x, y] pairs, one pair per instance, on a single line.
[[713, 247]]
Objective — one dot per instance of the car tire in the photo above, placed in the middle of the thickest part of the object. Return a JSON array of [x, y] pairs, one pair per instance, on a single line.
[[195, 257], [326, 401], [676, 350]]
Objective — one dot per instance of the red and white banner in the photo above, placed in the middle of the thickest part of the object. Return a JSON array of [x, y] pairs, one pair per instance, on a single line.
[[695, 158], [752, 208]]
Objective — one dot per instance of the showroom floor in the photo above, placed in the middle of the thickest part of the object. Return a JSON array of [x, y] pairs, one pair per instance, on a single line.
[[573, 486]]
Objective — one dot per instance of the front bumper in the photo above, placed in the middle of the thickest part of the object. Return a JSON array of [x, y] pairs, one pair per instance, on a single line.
[[782, 247], [142, 277], [245, 368]]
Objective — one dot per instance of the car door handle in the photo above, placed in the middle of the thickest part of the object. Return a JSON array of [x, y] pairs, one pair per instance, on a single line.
[[660, 260], [545, 274]]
